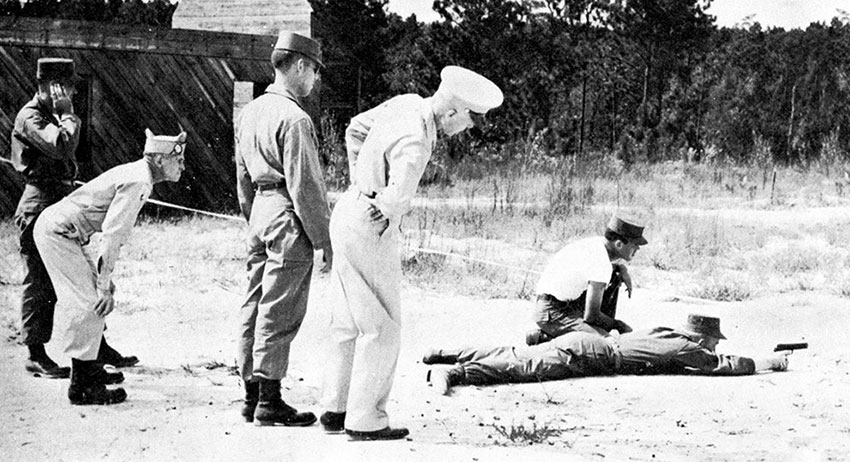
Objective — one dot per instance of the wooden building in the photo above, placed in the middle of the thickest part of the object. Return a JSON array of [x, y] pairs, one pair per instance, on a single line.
[[260, 17], [135, 78]]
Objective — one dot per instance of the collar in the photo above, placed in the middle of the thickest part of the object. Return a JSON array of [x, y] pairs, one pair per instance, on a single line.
[[281, 90]]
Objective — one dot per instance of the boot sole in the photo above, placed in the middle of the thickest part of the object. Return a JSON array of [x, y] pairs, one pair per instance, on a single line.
[[88, 402], [42, 375], [274, 423]]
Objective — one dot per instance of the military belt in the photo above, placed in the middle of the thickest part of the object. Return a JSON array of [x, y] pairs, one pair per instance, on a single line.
[[270, 186]]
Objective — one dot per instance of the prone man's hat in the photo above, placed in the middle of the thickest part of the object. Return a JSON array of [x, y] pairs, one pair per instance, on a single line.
[[290, 41], [469, 90], [705, 325], [630, 231], [55, 69], [164, 144]]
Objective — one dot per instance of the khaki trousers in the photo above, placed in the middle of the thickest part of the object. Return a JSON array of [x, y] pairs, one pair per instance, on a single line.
[[575, 354], [74, 280], [280, 263], [365, 327]]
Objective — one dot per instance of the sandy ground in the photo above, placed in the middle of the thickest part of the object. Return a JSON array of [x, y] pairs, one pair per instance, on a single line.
[[184, 400]]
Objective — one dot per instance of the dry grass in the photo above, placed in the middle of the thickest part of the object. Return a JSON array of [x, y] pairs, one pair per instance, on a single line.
[[517, 217]]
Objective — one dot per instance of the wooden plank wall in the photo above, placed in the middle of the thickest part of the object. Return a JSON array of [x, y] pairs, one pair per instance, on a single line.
[[155, 84], [265, 17]]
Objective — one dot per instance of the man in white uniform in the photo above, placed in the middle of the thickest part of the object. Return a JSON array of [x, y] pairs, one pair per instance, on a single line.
[[388, 148], [579, 287], [108, 204]]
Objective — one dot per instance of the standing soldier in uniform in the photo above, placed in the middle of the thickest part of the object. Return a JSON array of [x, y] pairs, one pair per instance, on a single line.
[[388, 148], [108, 204], [44, 141], [283, 197]]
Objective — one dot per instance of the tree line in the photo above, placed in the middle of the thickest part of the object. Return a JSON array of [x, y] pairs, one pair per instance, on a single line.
[[139, 12], [648, 80]]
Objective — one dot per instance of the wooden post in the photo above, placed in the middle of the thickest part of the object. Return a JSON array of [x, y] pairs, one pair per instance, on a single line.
[[773, 187]]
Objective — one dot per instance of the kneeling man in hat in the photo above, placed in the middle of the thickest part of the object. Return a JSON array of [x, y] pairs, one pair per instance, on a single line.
[[388, 149], [580, 285], [661, 350], [108, 204]]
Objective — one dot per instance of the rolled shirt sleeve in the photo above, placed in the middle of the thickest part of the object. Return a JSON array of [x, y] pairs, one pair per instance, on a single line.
[[304, 180], [117, 225]]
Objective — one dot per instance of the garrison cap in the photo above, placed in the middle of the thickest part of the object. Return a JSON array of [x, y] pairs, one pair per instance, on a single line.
[[630, 231], [705, 325], [290, 41], [469, 90], [55, 69], [164, 144]]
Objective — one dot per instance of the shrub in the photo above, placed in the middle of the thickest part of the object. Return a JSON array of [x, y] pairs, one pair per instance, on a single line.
[[522, 434]]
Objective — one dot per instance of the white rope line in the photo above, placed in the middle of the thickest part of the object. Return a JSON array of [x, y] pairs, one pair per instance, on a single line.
[[180, 207], [202, 212]]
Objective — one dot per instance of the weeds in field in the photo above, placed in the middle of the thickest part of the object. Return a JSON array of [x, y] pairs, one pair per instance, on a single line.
[[516, 205], [723, 288], [520, 434]]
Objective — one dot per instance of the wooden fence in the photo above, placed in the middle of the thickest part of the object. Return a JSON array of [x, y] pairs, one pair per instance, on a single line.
[[135, 78]]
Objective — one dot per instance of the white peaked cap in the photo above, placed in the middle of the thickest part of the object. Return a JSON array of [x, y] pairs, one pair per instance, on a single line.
[[469, 89], [162, 143]]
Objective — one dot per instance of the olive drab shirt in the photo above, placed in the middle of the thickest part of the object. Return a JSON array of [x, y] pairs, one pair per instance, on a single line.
[[42, 146], [108, 204], [276, 142], [667, 351], [388, 149]]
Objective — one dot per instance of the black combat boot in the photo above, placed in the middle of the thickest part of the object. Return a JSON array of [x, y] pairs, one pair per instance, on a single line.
[[40, 365], [87, 385], [108, 378], [108, 355], [271, 410], [333, 422], [434, 356], [443, 379], [252, 396]]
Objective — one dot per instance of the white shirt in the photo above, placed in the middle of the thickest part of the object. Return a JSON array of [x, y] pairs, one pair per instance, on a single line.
[[388, 149], [570, 270], [108, 204]]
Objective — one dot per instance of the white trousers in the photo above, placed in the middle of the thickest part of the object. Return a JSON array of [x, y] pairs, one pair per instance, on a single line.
[[74, 281], [365, 327]]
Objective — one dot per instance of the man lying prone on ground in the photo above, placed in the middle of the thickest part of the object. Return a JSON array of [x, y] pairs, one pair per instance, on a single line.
[[687, 350]]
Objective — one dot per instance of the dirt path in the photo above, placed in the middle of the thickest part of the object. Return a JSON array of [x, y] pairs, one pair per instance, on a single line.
[[184, 399]]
